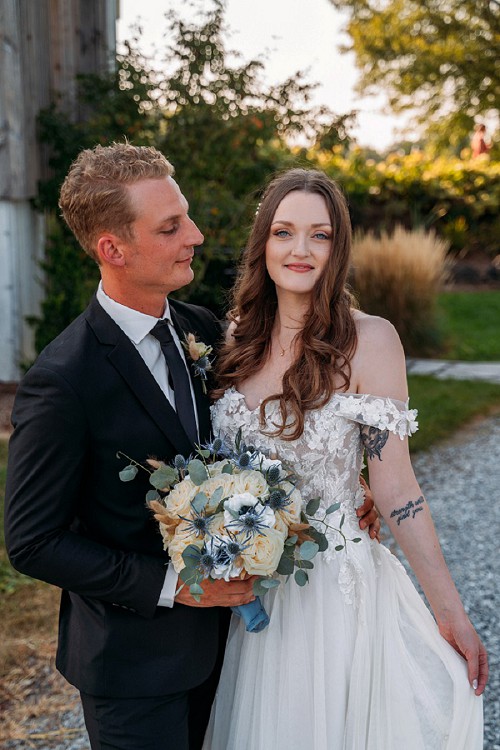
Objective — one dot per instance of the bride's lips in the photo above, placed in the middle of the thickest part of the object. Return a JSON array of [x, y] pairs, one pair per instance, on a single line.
[[299, 267], [186, 260]]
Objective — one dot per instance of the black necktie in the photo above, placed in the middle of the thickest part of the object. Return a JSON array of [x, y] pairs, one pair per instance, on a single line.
[[180, 378]]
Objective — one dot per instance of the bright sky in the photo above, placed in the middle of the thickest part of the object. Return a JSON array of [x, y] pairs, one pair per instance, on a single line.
[[295, 35]]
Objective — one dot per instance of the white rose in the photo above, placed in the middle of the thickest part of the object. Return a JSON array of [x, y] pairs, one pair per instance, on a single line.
[[252, 481], [181, 539], [216, 468], [291, 512], [178, 501], [263, 554], [210, 485]]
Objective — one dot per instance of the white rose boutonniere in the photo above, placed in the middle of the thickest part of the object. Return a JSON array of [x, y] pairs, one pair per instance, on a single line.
[[199, 354]]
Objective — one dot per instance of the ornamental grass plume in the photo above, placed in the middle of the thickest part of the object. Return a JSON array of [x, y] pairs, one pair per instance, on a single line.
[[398, 277]]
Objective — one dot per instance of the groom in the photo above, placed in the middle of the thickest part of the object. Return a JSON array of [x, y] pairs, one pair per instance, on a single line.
[[146, 665]]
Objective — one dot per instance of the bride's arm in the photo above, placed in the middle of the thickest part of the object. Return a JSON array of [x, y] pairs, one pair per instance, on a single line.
[[379, 369]]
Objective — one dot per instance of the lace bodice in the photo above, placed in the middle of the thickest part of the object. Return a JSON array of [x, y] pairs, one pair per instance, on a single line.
[[328, 456]]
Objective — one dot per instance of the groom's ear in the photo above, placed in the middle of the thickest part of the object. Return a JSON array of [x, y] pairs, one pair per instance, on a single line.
[[110, 250]]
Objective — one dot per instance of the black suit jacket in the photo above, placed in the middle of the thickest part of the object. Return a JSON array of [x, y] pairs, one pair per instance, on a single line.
[[72, 522]]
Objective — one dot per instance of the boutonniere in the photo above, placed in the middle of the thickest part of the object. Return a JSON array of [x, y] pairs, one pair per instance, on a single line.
[[199, 353]]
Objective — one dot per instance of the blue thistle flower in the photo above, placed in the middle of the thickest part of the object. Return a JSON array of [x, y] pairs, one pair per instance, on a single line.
[[206, 564], [278, 499], [217, 447], [180, 462], [273, 475], [249, 521], [199, 525]]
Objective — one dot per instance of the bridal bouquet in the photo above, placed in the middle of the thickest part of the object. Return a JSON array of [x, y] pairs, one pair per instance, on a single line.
[[231, 511]]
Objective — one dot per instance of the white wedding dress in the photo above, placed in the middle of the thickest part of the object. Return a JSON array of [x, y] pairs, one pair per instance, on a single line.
[[353, 660]]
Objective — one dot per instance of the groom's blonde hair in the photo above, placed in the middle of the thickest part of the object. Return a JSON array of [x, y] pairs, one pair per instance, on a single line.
[[94, 198]]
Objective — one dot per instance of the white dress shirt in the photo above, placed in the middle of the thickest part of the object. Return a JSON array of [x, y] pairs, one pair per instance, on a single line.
[[137, 326]]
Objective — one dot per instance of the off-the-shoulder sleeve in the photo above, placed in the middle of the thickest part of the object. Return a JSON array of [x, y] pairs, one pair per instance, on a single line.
[[383, 413]]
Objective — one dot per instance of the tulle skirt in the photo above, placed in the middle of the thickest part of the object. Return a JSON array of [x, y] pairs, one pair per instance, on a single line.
[[351, 661]]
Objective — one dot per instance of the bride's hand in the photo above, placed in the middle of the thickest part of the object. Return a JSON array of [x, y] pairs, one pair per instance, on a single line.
[[461, 635], [367, 513]]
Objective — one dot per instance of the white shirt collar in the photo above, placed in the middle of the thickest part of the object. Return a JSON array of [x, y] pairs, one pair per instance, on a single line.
[[134, 324]]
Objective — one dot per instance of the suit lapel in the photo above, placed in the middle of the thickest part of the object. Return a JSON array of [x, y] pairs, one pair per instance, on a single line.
[[183, 326], [127, 361]]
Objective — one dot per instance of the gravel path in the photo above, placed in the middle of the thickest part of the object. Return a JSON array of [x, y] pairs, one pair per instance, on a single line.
[[461, 480]]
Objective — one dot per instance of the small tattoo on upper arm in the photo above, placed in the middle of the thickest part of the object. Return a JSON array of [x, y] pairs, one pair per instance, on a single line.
[[409, 510], [373, 440]]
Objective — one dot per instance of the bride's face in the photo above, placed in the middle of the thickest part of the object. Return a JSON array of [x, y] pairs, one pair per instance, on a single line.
[[299, 243]]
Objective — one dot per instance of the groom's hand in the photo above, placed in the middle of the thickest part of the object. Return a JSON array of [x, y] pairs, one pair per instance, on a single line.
[[219, 593], [367, 513]]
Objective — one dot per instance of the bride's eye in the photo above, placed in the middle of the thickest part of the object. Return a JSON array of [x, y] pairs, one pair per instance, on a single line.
[[321, 236], [281, 233]]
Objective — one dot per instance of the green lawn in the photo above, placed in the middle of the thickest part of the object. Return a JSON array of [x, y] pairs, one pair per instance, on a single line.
[[471, 325], [445, 405]]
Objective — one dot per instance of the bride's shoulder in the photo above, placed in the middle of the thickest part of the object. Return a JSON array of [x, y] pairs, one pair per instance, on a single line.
[[378, 364], [374, 331]]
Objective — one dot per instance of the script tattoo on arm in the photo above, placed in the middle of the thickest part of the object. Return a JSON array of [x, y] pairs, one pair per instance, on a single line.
[[373, 440], [409, 510]]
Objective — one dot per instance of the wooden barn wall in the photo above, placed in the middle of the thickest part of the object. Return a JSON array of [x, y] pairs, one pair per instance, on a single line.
[[44, 44]]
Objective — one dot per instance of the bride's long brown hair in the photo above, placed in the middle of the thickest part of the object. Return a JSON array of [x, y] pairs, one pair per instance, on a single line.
[[328, 339]]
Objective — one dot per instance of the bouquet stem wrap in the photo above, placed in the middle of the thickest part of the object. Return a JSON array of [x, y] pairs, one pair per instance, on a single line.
[[253, 614]]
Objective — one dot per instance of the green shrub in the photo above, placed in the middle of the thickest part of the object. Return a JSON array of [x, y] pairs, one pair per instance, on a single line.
[[458, 198], [397, 276]]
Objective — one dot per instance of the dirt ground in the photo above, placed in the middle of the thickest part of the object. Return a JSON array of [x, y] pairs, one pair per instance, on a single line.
[[7, 393]]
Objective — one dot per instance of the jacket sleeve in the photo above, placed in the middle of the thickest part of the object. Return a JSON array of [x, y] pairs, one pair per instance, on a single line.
[[48, 452]]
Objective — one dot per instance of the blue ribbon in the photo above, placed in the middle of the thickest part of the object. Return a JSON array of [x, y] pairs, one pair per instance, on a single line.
[[253, 614]]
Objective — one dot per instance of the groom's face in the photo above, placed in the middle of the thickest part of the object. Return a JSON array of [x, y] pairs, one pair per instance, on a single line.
[[159, 255]]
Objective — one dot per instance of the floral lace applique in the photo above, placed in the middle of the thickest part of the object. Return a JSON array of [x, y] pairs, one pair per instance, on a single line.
[[327, 458]]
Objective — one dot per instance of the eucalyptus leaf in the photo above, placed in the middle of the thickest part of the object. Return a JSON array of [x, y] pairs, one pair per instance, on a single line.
[[301, 577], [163, 477], [227, 469], [312, 506], [199, 502], [186, 575], [190, 554], [308, 550], [152, 495], [356, 540], [285, 565], [204, 453], [197, 471], [339, 547], [319, 538], [195, 588], [217, 496], [269, 583], [342, 520], [257, 588], [306, 564], [291, 540], [128, 473], [332, 508]]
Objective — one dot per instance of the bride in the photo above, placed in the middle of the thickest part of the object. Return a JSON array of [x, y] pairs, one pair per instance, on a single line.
[[353, 660]]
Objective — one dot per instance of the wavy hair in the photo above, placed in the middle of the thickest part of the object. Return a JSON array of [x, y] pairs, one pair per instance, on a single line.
[[94, 196], [328, 339]]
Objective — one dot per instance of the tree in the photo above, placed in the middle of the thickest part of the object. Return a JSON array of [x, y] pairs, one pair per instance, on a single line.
[[222, 128], [226, 132], [440, 58]]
